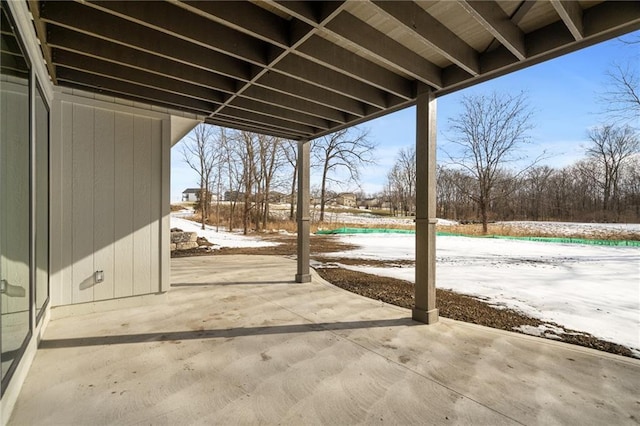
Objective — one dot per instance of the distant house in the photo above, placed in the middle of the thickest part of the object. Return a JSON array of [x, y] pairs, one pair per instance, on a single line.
[[190, 194], [347, 199]]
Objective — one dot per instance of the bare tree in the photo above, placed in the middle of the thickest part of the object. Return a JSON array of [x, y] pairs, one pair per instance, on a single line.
[[630, 186], [489, 133], [270, 161], [621, 97], [536, 202], [402, 179], [611, 147], [453, 193], [200, 154], [348, 151], [290, 153], [247, 147]]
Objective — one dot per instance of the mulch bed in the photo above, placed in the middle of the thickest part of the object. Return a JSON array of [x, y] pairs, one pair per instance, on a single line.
[[455, 306]]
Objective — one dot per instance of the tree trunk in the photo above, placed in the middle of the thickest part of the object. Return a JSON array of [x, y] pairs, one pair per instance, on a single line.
[[202, 202], [323, 193], [293, 192], [483, 216]]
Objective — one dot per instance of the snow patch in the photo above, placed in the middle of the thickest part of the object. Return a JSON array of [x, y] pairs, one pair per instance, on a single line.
[[221, 238]]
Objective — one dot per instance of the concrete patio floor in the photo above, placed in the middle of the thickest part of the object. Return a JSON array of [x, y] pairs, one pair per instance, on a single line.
[[236, 341]]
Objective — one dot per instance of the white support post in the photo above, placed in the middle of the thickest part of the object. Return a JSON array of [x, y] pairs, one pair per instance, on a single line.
[[425, 288], [303, 275]]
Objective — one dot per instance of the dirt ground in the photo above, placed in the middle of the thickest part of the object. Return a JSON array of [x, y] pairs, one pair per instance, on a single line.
[[398, 292]]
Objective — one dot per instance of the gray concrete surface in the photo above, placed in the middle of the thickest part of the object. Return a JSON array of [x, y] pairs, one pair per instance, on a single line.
[[238, 342]]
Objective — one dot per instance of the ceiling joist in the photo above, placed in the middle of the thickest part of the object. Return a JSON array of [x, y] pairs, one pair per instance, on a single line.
[[303, 69], [496, 22], [571, 15]]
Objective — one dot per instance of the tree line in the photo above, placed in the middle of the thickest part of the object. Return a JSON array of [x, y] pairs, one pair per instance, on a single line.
[[477, 185], [478, 181], [255, 170]]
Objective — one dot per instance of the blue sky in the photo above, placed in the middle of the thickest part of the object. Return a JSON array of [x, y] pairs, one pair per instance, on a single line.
[[562, 93]]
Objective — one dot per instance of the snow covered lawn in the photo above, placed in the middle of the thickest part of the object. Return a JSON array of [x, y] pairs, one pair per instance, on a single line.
[[221, 238], [595, 289]]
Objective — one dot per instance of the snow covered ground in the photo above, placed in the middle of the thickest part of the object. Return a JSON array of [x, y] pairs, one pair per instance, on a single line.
[[219, 239], [594, 289]]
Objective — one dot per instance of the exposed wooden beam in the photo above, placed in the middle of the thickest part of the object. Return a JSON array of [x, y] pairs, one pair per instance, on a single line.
[[310, 72], [312, 12], [275, 55], [278, 112], [354, 121], [495, 21], [611, 19], [342, 60], [522, 11], [294, 87], [571, 14], [433, 33], [286, 100], [129, 97], [252, 127], [68, 40], [166, 17], [64, 39], [243, 17], [139, 77], [148, 95], [99, 24], [260, 119], [601, 22], [257, 22], [386, 49]]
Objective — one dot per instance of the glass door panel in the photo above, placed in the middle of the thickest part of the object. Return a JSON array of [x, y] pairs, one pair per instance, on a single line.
[[15, 324]]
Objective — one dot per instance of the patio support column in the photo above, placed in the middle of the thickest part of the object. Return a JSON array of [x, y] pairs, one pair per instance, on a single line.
[[425, 288], [302, 215]]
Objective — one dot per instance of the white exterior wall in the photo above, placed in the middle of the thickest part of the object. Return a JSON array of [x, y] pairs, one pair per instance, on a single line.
[[107, 186], [109, 199]]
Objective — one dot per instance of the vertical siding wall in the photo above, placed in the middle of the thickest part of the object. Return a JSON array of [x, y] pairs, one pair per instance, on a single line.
[[106, 206]]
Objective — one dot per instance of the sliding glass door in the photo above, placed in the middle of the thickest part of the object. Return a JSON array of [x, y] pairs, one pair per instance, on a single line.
[[15, 194]]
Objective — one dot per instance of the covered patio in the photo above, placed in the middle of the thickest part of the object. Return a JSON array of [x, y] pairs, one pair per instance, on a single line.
[[95, 93], [230, 345]]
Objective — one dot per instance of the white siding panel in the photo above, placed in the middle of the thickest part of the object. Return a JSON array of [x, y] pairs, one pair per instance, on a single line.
[[165, 207], [108, 181], [82, 211], [104, 192], [142, 205], [123, 274], [66, 197], [156, 202], [55, 205]]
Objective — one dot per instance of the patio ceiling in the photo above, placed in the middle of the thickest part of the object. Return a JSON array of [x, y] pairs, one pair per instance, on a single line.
[[302, 69]]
